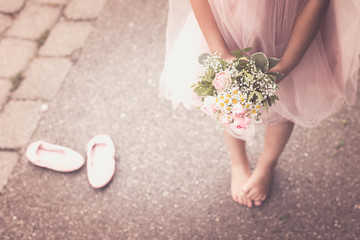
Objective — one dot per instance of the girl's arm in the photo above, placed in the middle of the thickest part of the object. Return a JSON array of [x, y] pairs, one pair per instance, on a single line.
[[210, 29], [304, 31]]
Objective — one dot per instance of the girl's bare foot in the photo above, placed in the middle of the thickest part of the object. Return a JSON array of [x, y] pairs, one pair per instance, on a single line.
[[240, 169], [258, 185], [240, 173]]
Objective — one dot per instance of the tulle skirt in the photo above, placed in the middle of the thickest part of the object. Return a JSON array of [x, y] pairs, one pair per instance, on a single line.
[[325, 78]]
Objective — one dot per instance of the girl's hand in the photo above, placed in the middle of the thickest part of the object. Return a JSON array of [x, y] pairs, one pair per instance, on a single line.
[[282, 69], [304, 31]]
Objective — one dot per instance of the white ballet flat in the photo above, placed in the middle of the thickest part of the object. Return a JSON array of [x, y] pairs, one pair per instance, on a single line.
[[100, 161], [54, 157]]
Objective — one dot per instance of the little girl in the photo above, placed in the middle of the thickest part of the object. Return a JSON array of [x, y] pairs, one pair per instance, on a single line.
[[318, 42]]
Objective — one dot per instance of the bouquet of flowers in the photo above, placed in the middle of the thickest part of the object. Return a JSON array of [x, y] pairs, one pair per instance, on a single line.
[[233, 91]]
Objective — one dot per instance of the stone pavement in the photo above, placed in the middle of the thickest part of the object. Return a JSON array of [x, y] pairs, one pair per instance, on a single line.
[[172, 168], [40, 40]]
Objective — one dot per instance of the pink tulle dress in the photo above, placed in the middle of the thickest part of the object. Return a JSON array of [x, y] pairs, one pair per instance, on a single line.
[[325, 78]]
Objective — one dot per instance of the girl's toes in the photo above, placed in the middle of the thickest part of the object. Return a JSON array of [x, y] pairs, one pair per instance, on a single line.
[[257, 203], [237, 199], [251, 195], [249, 203], [242, 201]]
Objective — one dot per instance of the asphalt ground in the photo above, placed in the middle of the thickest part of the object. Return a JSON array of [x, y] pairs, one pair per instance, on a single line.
[[172, 177]]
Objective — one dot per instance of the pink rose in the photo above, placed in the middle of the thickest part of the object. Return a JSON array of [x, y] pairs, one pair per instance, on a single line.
[[209, 105], [221, 80], [242, 123], [225, 120], [238, 111]]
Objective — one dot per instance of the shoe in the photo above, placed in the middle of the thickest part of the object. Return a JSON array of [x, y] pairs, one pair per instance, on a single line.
[[54, 157], [100, 161]]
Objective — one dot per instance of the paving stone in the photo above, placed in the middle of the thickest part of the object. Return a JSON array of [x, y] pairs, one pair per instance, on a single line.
[[33, 21], [84, 9], [5, 22], [11, 6], [8, 161], [5, 87], [52, 2], [43, 78], [18, 121], [65, 38], [15, 54]]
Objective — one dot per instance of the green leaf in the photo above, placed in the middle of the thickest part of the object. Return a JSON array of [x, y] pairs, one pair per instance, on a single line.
[[210, 92], [344, 122], [238, 53], [243, 59], [334, 152], [277, 75], [272, 77], [285, 218], [261, 61], [265, 105], [248, 75], [210, 80], [248, 49], [273, 62], [241, 52], [257, 94], [340, 145]]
